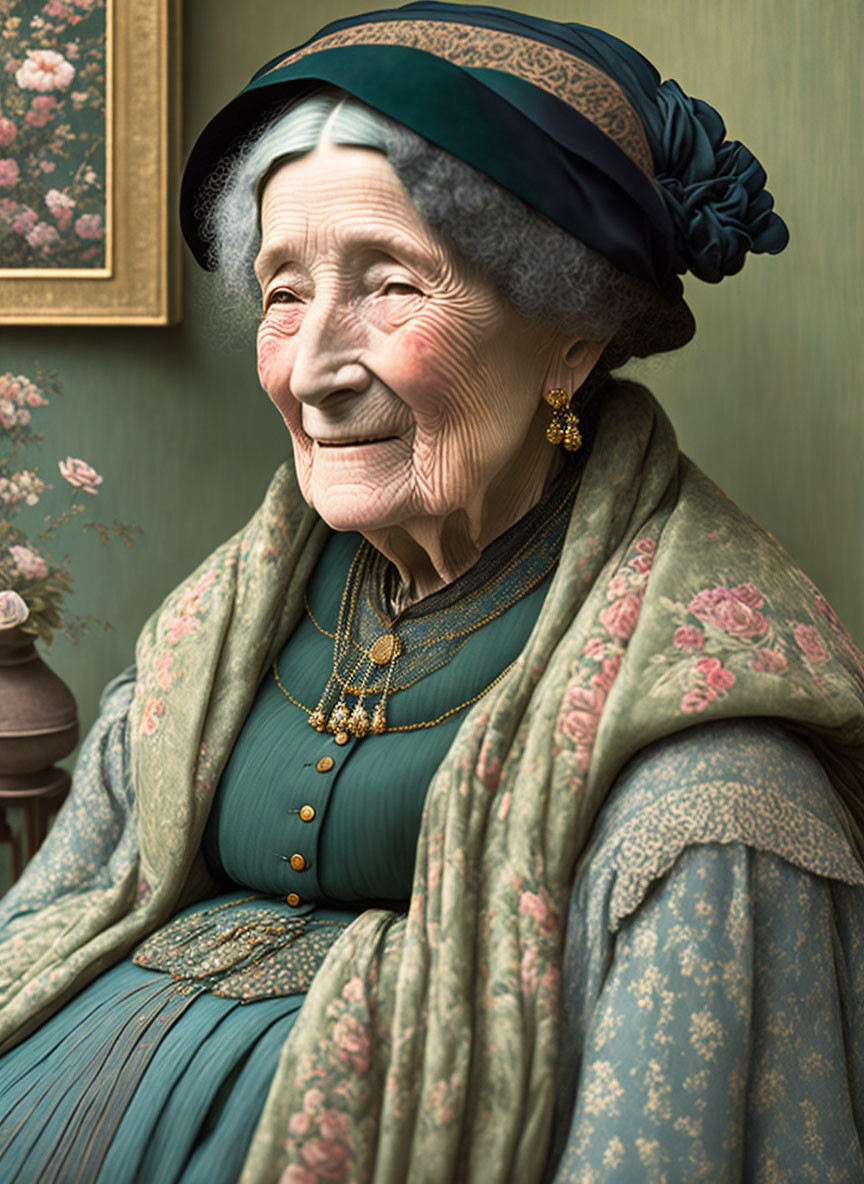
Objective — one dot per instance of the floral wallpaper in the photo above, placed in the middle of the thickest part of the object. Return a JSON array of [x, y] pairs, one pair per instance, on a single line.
[[52, 134]]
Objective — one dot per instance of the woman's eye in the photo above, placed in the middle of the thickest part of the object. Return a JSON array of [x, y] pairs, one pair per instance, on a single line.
[[281, 296], [400, 288]]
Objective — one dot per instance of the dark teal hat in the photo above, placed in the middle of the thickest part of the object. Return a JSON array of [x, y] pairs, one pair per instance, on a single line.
[[571, 120]]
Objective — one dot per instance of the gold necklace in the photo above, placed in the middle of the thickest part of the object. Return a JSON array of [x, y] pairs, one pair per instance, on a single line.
[[367, 647]]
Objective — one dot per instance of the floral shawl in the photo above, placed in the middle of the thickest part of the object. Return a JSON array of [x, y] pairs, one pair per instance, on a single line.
[[426, 1048]]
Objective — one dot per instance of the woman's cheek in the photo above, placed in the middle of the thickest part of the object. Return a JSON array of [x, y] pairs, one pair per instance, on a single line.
[[418, 365]]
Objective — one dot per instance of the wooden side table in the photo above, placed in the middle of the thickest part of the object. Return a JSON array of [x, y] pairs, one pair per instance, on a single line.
[[39, 802]]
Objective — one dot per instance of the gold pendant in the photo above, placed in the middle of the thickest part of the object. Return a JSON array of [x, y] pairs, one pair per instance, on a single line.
[[384, 649], [358, 724]]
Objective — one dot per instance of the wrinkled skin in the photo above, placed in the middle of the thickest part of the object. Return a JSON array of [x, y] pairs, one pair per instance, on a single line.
[[411, 388]]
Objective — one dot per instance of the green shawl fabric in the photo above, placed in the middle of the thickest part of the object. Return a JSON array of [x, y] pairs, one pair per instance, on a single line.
[[426, 1048]]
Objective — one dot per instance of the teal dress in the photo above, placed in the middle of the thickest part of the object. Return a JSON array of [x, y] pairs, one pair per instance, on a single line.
[[159, 1072], [713, 1006]]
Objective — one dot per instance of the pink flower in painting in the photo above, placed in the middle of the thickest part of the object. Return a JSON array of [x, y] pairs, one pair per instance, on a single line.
[[72, 51], [620, 617], [768, 661], [29, 563], [7, 132], [43, 236], [41, 110], [641, 563], [698, 699], [58, 9], [57, 201], [734, 614], [80, 474], [328, 1160], [153, 708], [810, 643], [45, 69], [9, 173], [714, 673], [12, 65], [90, 226], [24, 220], [619, 585], [47, 166], [688, 637]]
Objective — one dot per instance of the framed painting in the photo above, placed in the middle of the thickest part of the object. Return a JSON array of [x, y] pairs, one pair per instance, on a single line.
[[89, 157]]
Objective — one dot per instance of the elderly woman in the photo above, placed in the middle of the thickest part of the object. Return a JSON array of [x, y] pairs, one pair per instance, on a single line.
[[491, 811]]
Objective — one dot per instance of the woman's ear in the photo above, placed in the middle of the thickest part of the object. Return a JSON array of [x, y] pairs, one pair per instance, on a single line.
[[575, 362]]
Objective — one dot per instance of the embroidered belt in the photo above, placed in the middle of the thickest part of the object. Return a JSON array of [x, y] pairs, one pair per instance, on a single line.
[[239, 952]]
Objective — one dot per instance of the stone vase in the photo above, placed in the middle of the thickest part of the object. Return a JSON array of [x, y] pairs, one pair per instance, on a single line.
[[38, 726]]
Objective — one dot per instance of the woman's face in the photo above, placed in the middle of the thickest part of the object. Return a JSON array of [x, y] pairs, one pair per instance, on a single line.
[[411, 388]]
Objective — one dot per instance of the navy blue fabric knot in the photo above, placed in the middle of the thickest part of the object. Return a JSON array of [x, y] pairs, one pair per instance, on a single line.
[[714, 190]]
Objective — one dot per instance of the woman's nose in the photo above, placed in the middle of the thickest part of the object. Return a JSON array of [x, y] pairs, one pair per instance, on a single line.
[[328, 344]]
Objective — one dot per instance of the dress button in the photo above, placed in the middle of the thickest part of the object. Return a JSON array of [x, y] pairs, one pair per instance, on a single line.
[[307, 813], [297, 862], [325, 764], [293, 899], [341, 737]]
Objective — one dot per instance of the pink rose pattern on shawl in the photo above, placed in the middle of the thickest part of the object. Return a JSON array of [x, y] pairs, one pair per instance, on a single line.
[[182, 618], [582, 706]]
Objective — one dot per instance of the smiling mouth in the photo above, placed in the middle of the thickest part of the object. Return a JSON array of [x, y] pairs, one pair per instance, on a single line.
[[354, 443]]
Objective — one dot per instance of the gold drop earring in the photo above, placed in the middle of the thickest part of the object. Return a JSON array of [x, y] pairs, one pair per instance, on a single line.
[[566, 433]]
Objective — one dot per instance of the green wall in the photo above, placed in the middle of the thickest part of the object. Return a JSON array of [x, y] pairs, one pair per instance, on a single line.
[[767, 398]]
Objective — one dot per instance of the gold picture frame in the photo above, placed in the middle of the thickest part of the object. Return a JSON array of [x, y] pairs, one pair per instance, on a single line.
[[136, 280]]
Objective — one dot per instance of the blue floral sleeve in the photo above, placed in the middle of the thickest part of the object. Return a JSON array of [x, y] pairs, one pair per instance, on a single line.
[[715, 1032]]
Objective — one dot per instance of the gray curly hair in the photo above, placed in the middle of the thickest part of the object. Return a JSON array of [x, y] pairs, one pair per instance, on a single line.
[[541, 270]]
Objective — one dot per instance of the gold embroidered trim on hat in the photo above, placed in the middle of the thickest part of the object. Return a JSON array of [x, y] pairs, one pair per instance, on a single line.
[[583, 86]]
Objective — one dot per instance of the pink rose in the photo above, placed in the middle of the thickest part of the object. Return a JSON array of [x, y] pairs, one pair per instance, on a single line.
[[299, 1124], [353, 1039], [723, 607], [646, 547], [41, 110], [698, 699], [334, 1126], [43, 236], [7, 132], [768, 661], [607, 675], [641, 563], [688, 637], [329, 1160], [89, 226], [619, 585], [715, 674], [749, 594], [30, 563], [9, 173], [153, 708], [24, 220], [80, 474], [580, 713], [810, 643], [313, 1099], [620, 617], [353, 989], [595, 648]]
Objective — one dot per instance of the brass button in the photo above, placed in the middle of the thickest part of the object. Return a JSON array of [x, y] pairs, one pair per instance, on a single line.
[[307, 813], [341, 737], [325, 765], [293, 899], [297, 862]]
